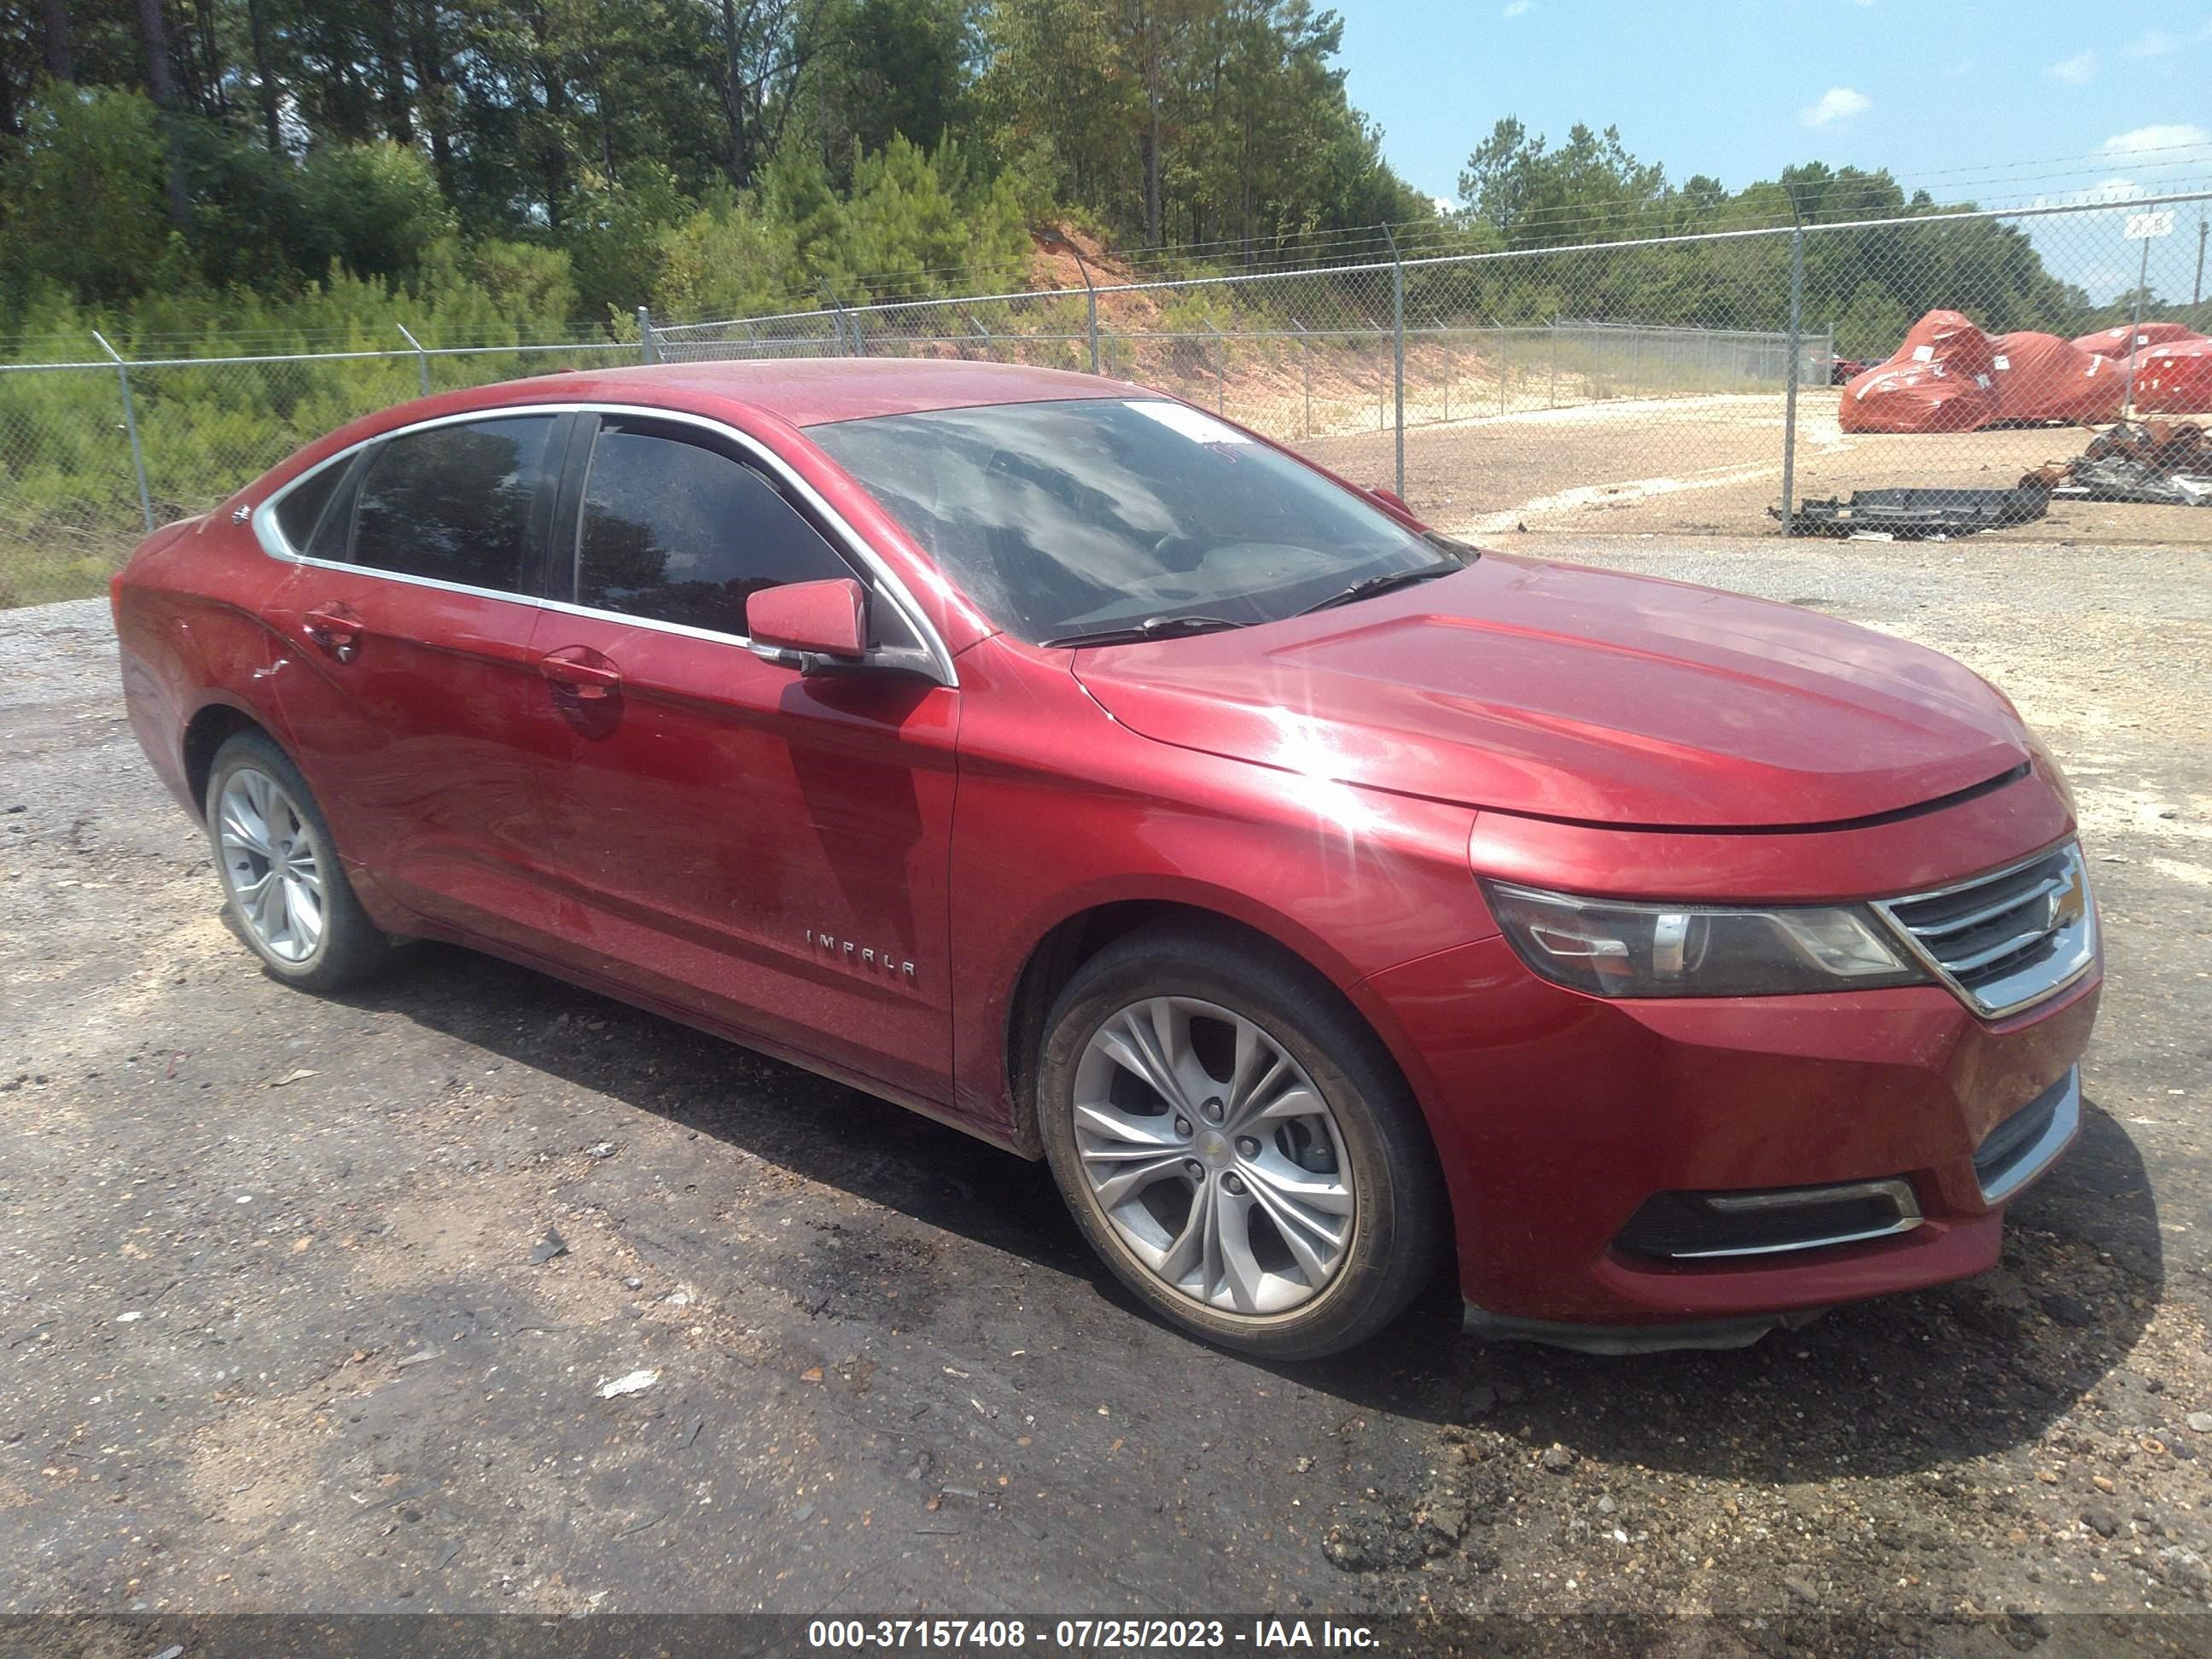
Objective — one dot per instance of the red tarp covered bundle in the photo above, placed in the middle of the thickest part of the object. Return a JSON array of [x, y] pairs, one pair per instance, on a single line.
[[1939, 380], [2174, 380], [2040, 377], [2120, 340]]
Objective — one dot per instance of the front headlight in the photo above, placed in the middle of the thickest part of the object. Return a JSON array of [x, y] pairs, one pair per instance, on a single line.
[[1612, 948]]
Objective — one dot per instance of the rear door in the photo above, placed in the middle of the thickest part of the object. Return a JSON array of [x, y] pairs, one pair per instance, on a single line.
[[408, 685], [723, 834]]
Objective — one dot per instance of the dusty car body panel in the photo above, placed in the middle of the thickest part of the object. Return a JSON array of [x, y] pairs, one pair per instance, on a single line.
[[1572, 693]]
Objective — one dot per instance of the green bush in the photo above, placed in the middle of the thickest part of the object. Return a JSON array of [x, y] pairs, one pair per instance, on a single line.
[[209, 423], [79, 196]]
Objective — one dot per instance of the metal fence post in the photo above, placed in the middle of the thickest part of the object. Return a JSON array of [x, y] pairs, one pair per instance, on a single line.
[[1305, 373], [847, 325], [1504, 368], [1220, 369], [1090, 298], [648, 346], [1790, 396], [131, 429], [1552, 401], [1449, 372], [1398, 358], [422, 359], [2135, 332]]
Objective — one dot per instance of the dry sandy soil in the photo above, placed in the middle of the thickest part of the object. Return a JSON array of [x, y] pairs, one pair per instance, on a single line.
[[273, 1338], [1707, 466]]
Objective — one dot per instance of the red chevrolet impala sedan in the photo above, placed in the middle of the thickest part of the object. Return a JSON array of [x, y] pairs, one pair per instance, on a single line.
[[1317, 896]]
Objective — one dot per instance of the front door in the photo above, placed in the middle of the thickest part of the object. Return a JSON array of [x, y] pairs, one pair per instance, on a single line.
[[723, 834], [407, 686]]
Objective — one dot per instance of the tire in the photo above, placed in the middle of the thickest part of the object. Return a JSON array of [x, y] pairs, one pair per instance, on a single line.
[[1324, 1225], [263, 824]]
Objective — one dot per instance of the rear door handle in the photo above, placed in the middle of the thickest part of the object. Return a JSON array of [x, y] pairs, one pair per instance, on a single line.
[[571, 667], [335, 627]]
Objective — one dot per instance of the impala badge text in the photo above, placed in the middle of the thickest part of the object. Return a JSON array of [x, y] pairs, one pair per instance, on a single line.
[[856, 956]]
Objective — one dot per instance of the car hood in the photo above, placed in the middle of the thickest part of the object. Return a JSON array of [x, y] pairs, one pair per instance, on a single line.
[[1572, 693]]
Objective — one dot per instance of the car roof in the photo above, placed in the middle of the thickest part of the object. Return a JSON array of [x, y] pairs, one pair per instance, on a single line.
[[817, 391]]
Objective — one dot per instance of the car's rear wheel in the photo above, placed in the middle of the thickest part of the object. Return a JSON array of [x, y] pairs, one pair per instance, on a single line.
[[1235, 1143], [280, 871]]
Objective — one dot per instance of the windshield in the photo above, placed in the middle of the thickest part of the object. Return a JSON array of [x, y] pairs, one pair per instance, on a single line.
[[1065, 519]]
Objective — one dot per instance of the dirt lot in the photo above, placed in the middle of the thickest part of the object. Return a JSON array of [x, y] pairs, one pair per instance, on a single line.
[[1709, 467], [274, 1337]]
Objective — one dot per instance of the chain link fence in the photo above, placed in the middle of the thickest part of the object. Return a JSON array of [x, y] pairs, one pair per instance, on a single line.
[[1703, 385]]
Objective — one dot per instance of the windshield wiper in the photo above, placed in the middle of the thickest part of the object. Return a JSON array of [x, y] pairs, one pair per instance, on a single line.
[[1383, 584], [1152, 628]]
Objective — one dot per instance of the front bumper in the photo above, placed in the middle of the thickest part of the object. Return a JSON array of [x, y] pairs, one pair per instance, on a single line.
[[1559, 1115]]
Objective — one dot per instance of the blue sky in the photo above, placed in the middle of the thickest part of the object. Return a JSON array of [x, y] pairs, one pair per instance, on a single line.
[[2006, 103]]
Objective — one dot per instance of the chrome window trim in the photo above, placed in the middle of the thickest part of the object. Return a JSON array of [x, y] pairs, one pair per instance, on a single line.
[[846, 540], [2092, 933], [711, 636]]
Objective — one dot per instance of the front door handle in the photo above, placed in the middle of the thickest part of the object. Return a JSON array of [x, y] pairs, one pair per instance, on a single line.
[[334, 626], [582, 671]]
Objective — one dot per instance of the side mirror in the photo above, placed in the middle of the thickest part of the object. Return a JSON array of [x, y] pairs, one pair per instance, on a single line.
[[815, 620], [1391, 499]]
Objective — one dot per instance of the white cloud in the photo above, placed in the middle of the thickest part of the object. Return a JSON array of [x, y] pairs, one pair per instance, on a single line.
[[1443, 204], [2171, 136], [2157, 43], [1516, 8], [1836, 104], [2077, 71]]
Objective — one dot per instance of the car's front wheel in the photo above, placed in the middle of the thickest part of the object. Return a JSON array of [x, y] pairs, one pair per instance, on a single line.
[[1235, 1143], [279, 867]]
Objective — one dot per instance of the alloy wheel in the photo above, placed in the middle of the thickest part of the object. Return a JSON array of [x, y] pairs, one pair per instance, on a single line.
[[272, 863], [1212, 1156]]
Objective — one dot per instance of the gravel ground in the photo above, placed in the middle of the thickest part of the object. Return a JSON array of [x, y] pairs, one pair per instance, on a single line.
[[317, 1303]]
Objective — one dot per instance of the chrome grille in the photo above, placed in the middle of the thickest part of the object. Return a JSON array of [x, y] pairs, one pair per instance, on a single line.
[[2004, 941]]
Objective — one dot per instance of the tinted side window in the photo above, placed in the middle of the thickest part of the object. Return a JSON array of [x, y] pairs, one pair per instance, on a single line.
[[454, 502], [301, 509], [682, 533], [336, 530]]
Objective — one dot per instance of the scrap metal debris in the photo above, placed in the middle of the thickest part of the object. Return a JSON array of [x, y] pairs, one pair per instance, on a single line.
[[1918, 514], [2155, 463]]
